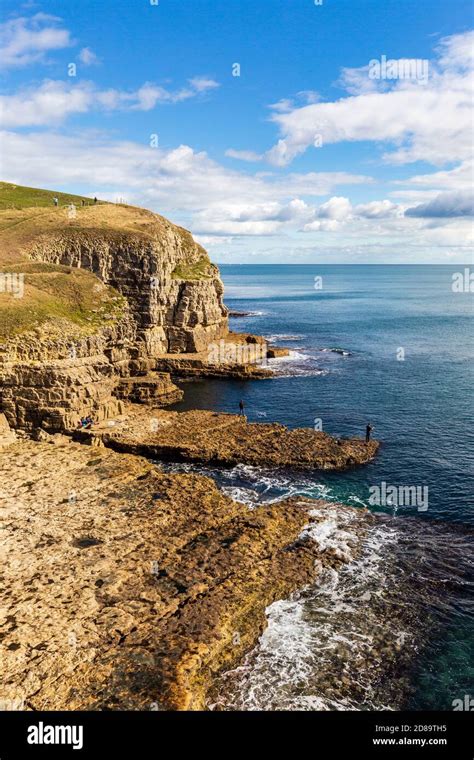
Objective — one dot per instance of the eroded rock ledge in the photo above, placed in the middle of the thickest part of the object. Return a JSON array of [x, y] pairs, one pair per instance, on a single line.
[[128, 588], [225, 439]]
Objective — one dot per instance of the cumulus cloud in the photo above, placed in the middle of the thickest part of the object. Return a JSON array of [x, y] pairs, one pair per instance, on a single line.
[[336, 208], [338, 211], [445, 205], [24, 41], [54, 100], [377, 209], [324, 225], [252, 219], [428, 122], [194, 178], [49, 104], [181, 181], [330, 215], [88, 57]]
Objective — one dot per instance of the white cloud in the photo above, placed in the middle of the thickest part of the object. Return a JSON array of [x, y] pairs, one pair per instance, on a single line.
[[252, 219], [287, 104], [459, 178], [212, 197], [324, 225], [377, 209], [54, 101], [457, 52], [24, 41], [213, 201], [336, 208], [244, 155], [430, 122], [50, 104], [226, 206], [320, 183], [203, 84], [88, 57], [356, 81], [330, 215]]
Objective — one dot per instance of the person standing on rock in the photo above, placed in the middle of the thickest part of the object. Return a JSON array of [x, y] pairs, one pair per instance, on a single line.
[[368, 431], [241, 408]]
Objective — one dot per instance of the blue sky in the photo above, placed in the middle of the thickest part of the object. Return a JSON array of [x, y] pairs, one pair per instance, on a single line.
[[306, 155]]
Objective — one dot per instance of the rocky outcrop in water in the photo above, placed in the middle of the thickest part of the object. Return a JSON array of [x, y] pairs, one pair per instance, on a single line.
[[226, 440]]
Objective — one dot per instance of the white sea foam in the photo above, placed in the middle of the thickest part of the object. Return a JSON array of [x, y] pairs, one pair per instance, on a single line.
[[293, 356], [338, 351], [284, 336], [308, 636], [296, 363]]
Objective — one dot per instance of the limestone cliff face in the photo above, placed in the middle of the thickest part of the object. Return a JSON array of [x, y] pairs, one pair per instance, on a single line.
[[174, 292], [52, 383], [171, 302]]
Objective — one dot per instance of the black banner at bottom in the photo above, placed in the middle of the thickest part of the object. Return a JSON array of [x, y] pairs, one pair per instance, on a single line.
[[134, 734]]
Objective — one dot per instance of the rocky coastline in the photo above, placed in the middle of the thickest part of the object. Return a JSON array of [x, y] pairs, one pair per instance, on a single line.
[[128, 587]]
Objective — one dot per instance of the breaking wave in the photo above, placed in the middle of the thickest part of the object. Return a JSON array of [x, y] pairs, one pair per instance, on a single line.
[[358, 637], [352, 640], [296, 363]]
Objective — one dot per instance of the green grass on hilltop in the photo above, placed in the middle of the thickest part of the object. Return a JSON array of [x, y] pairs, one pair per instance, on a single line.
[[73, 295], [18, 197], [199, 270], [56, 297]]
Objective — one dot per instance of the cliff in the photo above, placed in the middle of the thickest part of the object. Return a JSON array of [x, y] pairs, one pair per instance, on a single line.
[[128, 587], [90, 296]]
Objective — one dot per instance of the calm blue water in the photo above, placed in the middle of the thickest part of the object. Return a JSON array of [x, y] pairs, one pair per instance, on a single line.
[[420, 408]]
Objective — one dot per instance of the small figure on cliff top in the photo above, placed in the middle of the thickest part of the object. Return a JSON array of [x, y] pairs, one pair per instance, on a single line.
[[241, 408], [56, 201], [368, 431], [95, 199]]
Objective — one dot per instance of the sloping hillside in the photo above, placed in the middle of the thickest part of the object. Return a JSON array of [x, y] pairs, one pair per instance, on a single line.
[[17, 197], [46, 245]]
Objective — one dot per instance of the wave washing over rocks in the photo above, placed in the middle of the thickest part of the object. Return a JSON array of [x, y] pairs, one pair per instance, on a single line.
[[296, 364], [303, 361], [252, 485], [352, 640]]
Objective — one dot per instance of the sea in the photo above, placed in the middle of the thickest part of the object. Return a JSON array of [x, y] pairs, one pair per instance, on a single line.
[[392, 346]]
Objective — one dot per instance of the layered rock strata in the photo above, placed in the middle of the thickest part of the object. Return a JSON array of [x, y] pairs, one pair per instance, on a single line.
[[169, 317], [174, 292], [52, 382]]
